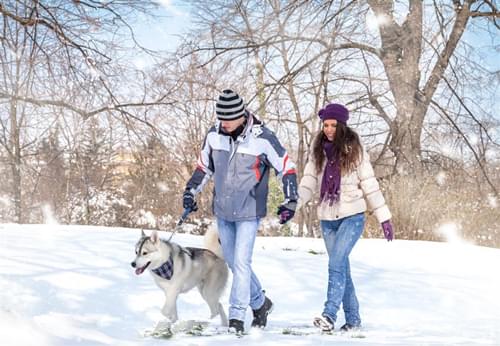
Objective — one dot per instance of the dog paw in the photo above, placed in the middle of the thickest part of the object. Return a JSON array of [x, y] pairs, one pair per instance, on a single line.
[[172, 318]]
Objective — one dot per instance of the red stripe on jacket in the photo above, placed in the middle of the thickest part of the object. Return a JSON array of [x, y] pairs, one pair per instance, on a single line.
[[284, 162], [256, 169]]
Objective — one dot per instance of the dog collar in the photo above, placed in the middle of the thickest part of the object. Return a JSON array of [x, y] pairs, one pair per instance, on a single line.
[[166, 270]]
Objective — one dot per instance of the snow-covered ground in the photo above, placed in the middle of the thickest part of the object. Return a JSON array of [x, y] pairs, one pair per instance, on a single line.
[[68, 285]]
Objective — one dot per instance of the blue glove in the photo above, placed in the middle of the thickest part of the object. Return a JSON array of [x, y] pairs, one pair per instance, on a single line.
[[188, 201], [286, 211]]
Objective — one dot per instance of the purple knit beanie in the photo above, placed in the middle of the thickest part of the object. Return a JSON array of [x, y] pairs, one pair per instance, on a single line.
[[334, 111]]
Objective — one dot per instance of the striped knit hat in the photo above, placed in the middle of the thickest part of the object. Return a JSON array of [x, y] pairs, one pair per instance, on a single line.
[[229, 106]]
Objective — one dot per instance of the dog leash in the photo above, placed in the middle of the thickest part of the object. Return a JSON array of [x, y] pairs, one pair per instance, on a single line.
[[183, 218]]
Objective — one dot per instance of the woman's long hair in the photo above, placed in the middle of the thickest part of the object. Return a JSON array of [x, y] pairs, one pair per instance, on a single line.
[[346, 143]]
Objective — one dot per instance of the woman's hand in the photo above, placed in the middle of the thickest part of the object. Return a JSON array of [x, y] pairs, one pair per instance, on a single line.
[[388, 230]]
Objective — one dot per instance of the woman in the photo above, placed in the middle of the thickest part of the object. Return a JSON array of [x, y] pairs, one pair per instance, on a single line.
[[340, 168]]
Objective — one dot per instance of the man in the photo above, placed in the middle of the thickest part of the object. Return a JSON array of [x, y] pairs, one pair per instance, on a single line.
[[239, 152]]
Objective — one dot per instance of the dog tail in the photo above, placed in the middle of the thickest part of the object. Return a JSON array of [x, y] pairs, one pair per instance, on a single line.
[[212, 242]]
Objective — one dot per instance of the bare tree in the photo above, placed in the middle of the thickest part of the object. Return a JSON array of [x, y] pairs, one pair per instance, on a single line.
[[65, 55], [405, 63]]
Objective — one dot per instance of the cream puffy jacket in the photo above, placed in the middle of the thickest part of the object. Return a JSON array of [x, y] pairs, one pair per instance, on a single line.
[[359, 191]]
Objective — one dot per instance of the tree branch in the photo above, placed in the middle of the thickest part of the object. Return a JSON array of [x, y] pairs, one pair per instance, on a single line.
[[476, 156], [485, 14], [444, 58], [84, 113]]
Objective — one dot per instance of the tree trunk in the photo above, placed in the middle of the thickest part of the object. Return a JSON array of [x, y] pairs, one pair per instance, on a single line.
[[15, 162], [405, 144], [261, 94], [400, 54]]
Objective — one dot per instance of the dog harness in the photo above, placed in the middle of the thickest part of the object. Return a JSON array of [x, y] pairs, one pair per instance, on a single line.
[[166, 270]]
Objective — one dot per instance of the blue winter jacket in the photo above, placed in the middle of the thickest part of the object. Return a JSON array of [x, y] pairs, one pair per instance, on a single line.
[[241, 170]]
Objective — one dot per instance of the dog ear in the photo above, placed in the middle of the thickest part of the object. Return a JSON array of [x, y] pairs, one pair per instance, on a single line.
[[142, 233], [154, 237]]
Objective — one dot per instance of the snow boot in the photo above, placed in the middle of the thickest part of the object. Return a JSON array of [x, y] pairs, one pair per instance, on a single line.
[[236, 326], [324, 322], [349, 327], [260, 314]]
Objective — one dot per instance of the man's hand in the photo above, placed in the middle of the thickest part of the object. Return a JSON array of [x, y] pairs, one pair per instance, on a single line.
[[286, 211], [188, 201]]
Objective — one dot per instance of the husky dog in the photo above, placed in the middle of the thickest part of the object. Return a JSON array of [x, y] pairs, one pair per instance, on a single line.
[[178, 269]]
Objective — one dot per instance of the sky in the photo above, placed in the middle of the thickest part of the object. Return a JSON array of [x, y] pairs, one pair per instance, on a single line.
[[174, 19], [162, 33], [73, 285]]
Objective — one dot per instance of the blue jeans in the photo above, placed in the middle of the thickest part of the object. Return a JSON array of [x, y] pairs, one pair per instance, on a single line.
[[237, 240], [340, 237]]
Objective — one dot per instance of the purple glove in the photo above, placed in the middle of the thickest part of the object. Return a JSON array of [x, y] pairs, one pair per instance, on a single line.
[[388, 230]]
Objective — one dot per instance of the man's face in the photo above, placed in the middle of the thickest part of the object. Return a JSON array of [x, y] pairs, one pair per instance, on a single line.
[[231, 125]]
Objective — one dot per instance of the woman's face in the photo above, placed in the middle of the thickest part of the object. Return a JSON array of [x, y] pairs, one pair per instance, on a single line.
[[329, 128]]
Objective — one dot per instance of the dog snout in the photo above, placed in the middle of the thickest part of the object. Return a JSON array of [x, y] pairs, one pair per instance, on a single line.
[[133, 264]]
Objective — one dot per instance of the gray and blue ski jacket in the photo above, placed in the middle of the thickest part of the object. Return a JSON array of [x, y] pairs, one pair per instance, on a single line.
[[241, 170]]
